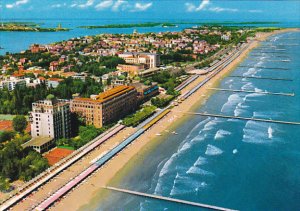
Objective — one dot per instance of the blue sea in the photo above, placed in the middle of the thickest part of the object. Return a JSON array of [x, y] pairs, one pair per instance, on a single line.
[[244, 165], [15, 42]]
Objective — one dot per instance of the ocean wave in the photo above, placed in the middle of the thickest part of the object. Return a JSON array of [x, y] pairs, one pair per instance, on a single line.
[[258, 90], [239, 109], [184, 147], [200, 161], [186, 185], [268, 114], [232, 100], [221, 134], [203, 122], [213, 150], [229, 81], [251, 71], [198, 138], [258, 133], [211, 124], [198, 171], [247, 86], [167, 165], [270, 132]]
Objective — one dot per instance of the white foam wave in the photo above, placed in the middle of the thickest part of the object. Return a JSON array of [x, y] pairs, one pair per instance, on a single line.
[[213, 150], [232, 100], [185, 185], [197, 126], [229, 81], [198, 138], [167, 165], [270, 132], [234, 151], [198, 171], [185, 146], [200, 161], [221, 134], [258, 133], [250, 71], [268, 114], [210, 125], [258, 90], [247, 86]]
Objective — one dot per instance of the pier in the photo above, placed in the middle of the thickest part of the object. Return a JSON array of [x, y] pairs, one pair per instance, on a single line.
[[258, 92], [147, 195], [273, 52], [262, 78], [272, 60], [240, 118], [267, 68], [275, 56]]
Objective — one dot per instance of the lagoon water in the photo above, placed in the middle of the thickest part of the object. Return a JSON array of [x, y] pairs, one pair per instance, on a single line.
[[236, 164], [15, 42]]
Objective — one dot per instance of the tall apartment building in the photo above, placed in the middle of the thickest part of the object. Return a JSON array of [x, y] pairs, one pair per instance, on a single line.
[[150, 60], [51, 118], [106, 107], [11, 84]]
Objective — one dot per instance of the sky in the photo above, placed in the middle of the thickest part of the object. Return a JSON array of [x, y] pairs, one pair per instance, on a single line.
[[152, 9]]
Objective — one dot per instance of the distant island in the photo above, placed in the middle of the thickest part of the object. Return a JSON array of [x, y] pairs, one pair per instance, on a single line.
[[28, 27], [136, 25], [130, 25]]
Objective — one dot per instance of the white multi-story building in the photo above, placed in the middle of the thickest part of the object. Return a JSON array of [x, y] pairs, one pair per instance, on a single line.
[[51, 118], [11, 84], [150, 60]]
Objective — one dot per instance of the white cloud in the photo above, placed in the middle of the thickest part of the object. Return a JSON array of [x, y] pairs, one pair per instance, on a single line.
[[16, 4], [255, 11], [118, 4], [203, 4], [87, 4], [207, 6], [220, 9], [192, 8], [104, 5], [58, 5], [141, 7]]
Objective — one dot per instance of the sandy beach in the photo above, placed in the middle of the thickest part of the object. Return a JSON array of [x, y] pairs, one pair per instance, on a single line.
[[86, 192]]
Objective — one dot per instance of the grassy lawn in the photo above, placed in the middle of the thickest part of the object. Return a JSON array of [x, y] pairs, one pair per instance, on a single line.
[[66, 147], [9, 117], [6, 117]]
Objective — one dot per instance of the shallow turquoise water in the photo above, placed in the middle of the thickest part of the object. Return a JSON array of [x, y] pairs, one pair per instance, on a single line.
[[236, 164]]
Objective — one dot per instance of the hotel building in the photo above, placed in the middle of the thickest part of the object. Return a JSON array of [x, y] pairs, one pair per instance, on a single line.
[[50, 120], [131, 69], [107, 107], [150, 60]]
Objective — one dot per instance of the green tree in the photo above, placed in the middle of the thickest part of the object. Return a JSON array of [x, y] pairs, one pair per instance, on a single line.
[[6, 136], [19, 123], [4, 184]]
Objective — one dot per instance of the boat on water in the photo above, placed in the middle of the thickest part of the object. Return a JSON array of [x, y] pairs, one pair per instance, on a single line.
[[158, 134]]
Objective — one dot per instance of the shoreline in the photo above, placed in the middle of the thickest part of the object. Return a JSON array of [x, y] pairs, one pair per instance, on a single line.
[[90, 193]]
